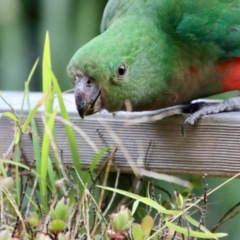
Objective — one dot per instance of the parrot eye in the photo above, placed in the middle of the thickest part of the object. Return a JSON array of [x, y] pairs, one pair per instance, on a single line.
[[121, 71]]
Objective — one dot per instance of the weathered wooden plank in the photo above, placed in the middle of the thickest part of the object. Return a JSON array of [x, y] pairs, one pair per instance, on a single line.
[[212, 146]]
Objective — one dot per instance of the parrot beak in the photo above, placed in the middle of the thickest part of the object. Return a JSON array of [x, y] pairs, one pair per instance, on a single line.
[[87, 97]]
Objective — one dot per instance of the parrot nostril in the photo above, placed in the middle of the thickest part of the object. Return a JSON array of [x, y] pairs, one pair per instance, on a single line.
[[88, 82]]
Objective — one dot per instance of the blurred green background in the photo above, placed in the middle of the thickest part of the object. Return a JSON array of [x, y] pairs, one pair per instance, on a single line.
[[71, 24], [23, 25]]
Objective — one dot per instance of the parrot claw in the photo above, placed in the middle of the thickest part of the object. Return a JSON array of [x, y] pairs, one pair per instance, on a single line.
[[201, 109]]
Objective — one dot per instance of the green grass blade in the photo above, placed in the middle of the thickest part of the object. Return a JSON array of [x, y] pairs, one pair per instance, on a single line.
[[10, 115], [196, 224], [23, 166], [2, 169], [94, 163], [35, 138], [32, 113], [32, 72], [45, 161], [19, 164], [46, 74], [188, 232], [26, 90], [145, 200], [69, 130], [17, 175]]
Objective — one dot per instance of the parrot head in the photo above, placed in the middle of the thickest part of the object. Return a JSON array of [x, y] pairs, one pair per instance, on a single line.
[[115, 66]]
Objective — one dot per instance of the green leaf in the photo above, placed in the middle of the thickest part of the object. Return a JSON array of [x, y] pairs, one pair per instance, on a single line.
[[35, 136], [69, 130], [180, 201], [61, 211], [2, 169], [94, 162], [147, 225], [135, 206], [57, 225], [196, 234], [46, 74], [196, 224], [32, 113], [10, 115], [144, 200], [26, 90], [31, 73], [23, 166], [137, 233], [45, 161], [196, 182]]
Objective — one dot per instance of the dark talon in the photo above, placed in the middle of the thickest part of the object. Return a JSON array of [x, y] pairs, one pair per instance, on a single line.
[[193, 109], [184, 125], [191, 119]]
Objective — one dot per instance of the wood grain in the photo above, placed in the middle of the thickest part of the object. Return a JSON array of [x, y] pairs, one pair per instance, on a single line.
[[211, 147]]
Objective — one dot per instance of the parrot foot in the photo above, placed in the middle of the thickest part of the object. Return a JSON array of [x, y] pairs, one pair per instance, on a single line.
[[201, 109]]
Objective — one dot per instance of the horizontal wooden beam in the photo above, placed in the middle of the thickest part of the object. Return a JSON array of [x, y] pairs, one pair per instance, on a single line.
[[211, 147]]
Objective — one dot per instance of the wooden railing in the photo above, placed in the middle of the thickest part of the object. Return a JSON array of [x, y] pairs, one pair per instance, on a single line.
[[210, 147]]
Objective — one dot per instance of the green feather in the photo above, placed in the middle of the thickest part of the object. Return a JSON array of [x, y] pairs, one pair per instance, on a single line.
[[160, 42]]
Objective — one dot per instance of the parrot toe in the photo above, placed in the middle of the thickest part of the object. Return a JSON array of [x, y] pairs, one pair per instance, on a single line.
[[201, 109]]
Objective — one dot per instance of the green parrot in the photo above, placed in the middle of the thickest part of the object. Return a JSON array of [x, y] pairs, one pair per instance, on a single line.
[[159, 53]]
